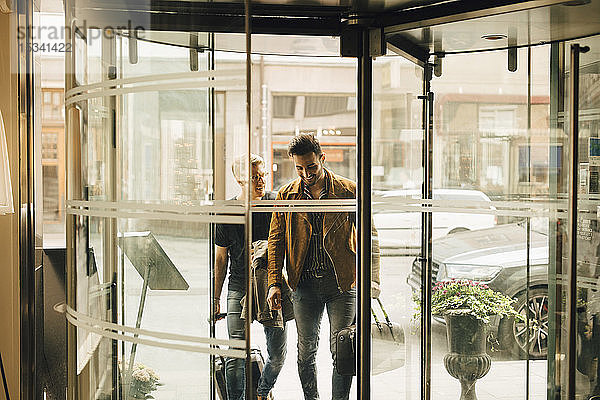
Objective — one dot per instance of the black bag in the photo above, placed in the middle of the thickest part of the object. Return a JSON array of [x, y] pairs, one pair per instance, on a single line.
[[345, 351], [388, 347]]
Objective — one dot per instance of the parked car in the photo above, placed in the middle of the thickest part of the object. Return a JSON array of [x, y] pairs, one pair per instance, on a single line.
[[497, 257], [400, 231]]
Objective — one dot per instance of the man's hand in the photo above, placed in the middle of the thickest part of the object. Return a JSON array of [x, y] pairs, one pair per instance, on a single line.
[[274, 298], [217, 303]]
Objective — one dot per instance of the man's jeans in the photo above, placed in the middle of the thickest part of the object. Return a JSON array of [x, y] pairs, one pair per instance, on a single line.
[[310, 299], [235, 377]]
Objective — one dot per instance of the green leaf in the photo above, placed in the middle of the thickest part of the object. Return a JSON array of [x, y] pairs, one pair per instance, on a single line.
[[464, 297]]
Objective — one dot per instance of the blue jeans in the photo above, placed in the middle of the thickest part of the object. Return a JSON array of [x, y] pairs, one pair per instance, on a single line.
[[235, 377], [310, 299]]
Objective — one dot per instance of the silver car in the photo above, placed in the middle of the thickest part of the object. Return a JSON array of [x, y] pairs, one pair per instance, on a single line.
[[497, 257], [399, 231]]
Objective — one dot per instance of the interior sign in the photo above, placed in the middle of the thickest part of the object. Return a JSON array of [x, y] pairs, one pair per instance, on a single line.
[[594, 151], [584, 229]]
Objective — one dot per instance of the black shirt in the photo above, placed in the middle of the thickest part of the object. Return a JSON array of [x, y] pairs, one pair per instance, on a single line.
[[232, 237], [317, 261]]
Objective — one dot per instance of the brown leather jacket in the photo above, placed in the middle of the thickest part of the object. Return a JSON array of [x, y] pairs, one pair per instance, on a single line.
[[290, 233]]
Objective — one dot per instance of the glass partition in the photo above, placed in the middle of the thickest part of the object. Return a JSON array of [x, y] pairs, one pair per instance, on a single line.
[[586, 241], [151, 139], [156, 122], [491, 208], [492, 141], [321, 101], [397, 176]]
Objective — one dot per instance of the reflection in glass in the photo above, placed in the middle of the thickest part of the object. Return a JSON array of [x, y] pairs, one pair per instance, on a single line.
[[397, 177], [587, 240]]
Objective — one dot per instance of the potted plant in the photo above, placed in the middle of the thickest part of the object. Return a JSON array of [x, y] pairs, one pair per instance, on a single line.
[[144, 380], [467, 307]]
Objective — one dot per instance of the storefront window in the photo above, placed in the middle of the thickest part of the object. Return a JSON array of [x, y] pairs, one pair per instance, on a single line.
[[284, 106]]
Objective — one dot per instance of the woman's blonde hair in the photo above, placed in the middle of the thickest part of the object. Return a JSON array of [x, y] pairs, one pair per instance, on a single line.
[[239, 166]]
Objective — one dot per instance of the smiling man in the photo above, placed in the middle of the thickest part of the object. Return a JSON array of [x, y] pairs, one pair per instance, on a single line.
[[320, 252]]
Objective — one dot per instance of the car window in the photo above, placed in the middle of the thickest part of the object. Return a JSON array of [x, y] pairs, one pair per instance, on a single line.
[[393, 197], [457, 197], [463, 197]]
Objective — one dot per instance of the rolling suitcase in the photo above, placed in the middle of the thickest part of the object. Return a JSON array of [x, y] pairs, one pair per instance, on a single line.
[[219, 378], [258, 363]]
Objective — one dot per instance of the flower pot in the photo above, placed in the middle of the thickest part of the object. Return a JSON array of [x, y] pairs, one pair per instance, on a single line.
[[467, 360]]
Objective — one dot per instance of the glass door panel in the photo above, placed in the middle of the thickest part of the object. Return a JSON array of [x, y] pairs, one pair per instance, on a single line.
[[489, 220], [588, 201], [302, 86], [147, 147], [397, 177]]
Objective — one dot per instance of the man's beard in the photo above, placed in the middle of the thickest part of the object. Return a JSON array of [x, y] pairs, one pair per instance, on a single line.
[[313, 179], [309, 181]]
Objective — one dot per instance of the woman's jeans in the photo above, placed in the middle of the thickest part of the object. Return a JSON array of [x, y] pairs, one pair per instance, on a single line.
[[310, 299], [235, 377]]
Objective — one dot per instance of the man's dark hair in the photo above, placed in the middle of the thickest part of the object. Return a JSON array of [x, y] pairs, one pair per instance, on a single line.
[[303, 144]]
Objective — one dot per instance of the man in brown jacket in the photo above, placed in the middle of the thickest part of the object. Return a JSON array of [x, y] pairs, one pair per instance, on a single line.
[[320, 253]]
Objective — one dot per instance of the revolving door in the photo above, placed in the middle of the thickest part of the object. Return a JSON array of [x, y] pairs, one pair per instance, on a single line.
[[460, 151]]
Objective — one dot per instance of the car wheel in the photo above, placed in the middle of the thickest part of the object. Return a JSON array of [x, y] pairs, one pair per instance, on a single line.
[[514, 335], [456, 230]]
